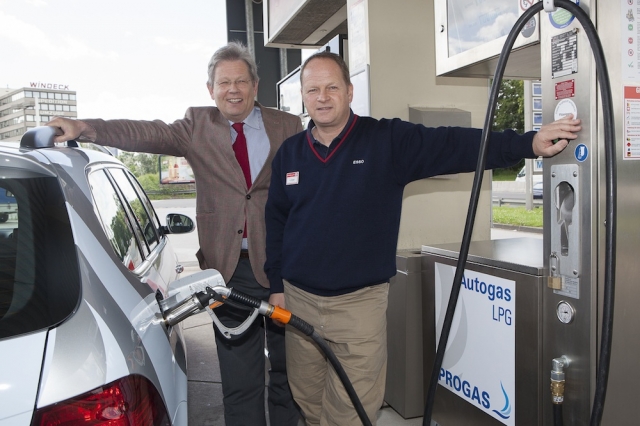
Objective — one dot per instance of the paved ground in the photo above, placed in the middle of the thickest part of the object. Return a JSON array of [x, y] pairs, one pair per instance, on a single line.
[[205, 390]]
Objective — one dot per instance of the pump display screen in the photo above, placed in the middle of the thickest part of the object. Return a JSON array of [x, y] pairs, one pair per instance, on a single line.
[[475, 22]]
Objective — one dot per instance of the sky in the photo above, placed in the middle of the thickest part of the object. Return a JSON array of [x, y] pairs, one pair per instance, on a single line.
[[136, 59], [479, 21]]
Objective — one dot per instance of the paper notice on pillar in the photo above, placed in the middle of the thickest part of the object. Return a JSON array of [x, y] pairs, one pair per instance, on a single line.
[[631, 123], [479, 364]]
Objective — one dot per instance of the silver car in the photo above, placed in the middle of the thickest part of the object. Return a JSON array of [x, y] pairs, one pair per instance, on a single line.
[[84, 263]]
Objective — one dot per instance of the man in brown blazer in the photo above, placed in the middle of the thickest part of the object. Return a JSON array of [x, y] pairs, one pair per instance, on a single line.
[[229, 213]]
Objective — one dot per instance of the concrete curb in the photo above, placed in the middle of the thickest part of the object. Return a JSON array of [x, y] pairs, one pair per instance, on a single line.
[[530, 229]]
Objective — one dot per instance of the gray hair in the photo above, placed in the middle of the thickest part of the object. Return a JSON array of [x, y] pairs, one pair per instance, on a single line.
[[233, 51]]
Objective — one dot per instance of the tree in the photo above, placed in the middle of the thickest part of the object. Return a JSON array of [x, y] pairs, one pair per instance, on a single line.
[[129, 160], [140, 163], [510, 109], [148, 163]]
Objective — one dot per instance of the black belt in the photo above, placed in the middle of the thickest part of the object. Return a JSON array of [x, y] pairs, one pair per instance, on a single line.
[[244, 254]]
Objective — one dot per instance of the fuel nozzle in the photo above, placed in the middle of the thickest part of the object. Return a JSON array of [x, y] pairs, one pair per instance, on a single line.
[[557, 379], [190, 306]]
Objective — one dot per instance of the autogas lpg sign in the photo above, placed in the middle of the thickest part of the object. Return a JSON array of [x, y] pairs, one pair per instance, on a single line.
[[479, 364]]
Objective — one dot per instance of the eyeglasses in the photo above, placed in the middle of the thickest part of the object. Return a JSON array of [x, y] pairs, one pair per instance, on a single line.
[[240, 84]]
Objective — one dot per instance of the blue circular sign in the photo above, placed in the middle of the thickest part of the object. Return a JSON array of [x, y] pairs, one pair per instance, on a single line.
[[581, 152], [561, 17]]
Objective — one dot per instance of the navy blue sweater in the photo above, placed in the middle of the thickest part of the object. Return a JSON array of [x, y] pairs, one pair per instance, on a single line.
[[332, 225]]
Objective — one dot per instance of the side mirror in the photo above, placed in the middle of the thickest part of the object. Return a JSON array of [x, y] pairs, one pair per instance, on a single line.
[[179, 224]]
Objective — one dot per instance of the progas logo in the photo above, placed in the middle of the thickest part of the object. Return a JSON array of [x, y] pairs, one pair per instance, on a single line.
[[461, 386], [358, 161], [505, 413]]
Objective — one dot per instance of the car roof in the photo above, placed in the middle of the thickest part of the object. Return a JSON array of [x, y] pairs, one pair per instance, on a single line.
[[37, 146]]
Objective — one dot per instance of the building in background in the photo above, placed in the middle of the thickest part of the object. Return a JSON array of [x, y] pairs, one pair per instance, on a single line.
[[28, 107]]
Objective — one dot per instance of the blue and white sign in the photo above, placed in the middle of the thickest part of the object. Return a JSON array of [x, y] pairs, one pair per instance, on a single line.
[[479, 364], [581, 152], [537, 165]]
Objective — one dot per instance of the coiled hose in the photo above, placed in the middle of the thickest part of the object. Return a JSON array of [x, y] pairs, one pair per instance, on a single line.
[[602, 373]]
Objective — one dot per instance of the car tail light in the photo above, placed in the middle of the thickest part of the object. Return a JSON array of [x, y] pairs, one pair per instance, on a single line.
[[130, 401]]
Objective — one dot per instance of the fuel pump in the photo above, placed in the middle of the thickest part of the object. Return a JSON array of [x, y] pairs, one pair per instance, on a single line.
[[580, 218], [580, 210]]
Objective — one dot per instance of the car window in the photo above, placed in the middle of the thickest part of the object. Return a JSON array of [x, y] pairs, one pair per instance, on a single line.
[[115, 220], [147, 204], [140, 209], [39, 275]]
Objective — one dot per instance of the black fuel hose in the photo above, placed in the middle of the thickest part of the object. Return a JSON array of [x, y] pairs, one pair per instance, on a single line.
[[557, 415], [602, 371], [308, 330], [611, 202]]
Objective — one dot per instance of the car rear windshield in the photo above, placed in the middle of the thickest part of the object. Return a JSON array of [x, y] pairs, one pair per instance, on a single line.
[[39, 277]]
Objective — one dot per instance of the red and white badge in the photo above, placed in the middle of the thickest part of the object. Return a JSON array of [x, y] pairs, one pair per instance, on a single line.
[[293, 178]]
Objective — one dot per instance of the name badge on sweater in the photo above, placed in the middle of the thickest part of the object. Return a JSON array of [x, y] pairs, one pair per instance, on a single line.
[[293, 178]]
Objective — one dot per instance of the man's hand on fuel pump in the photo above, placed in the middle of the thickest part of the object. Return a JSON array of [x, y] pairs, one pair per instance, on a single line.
[[277, 299], [552, 138]]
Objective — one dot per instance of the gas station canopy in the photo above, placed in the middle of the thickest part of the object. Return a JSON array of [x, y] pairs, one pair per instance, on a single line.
[[300, 23]]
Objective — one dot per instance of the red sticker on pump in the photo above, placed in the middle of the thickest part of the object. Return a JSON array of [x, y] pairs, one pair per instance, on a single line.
[[565, 89]]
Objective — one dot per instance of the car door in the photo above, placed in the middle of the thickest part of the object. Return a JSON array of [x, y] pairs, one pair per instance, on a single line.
[[132, 227]]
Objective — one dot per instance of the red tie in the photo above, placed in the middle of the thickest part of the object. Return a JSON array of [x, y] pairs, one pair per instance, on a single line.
[[242, 155]]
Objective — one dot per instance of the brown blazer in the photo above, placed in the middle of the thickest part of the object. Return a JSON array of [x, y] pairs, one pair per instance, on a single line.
[[203, 137]]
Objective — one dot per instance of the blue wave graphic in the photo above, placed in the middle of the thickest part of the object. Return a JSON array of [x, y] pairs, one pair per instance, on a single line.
[[505, 413]]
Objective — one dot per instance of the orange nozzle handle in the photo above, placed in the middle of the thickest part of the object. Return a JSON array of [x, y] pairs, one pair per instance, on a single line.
[[281, 315], [215, 304]]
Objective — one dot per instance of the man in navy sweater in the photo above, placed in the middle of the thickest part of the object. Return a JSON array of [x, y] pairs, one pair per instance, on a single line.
[[333, 217]]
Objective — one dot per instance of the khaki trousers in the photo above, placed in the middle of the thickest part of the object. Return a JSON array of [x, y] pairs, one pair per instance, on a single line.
[[355, 328]]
